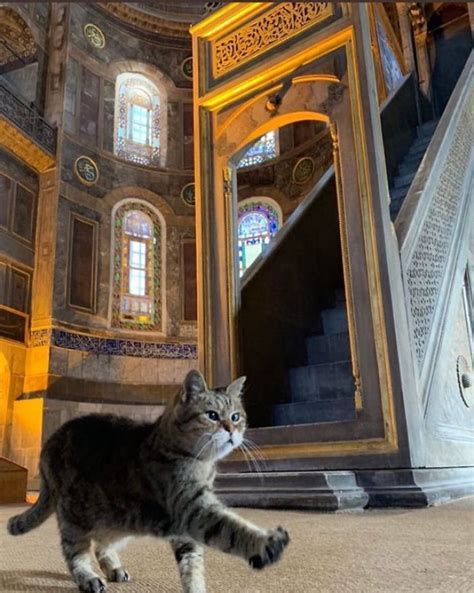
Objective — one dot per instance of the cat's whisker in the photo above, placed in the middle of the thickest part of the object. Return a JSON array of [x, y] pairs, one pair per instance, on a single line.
[[249, 465], [257, 452], [257, 468]]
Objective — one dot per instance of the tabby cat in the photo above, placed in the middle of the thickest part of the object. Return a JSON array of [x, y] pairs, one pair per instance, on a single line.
[[109, 478]]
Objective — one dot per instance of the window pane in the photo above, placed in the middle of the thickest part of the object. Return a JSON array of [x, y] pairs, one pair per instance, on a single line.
[[139, 124], [137, 257], [263, 149], [137, 282]]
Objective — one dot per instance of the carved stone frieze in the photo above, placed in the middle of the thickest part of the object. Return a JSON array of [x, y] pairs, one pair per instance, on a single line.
[[266, 31]]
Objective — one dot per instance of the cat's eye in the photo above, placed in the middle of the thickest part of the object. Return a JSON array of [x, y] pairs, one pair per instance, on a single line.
[[214, 416], [235, 417]]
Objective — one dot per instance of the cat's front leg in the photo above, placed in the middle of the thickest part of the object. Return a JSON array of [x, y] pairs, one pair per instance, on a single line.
[[190, 559], [216, 526]]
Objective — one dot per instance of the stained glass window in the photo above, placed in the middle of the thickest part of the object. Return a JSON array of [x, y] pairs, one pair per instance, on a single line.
[[137, 130], [259, 221], [264, 149], [137, 268]]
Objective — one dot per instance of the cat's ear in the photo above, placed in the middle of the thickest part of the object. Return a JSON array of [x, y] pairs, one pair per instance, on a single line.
[[235, 388], [193, 385]]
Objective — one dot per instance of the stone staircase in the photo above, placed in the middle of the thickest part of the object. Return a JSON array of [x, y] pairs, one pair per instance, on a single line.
[[409, 166], [323, 389]]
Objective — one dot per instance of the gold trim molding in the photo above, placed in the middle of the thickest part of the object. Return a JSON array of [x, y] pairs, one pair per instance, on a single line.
[[25, 149], [266, 32]]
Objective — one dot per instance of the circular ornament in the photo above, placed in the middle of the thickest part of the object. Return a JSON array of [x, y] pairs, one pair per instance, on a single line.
[[187, 67], [86, 170], [188, 194], [465, 381], [94, 36], [303, 170]]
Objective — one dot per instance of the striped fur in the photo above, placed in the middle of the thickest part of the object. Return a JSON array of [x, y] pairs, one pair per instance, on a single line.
[[108, 478]]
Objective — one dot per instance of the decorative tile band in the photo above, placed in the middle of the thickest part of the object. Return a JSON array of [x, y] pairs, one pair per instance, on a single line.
[[117, 347]]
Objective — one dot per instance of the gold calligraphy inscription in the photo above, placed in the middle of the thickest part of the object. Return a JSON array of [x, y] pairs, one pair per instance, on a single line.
[[265, 32]]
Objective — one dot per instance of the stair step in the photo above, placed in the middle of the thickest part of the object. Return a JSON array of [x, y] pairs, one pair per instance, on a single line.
[[413, 160], [330, 380], [404, 180], [399, 193], [427, 129], [334, 320], [409, 168], [331, 348], [311, 412], [418, 148]]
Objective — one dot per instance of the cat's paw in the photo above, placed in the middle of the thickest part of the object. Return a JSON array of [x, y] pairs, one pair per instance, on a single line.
[[119, 575], [95, 585], [271, 548]]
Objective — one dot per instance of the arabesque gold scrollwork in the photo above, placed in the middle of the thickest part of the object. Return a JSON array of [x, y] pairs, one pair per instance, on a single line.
[[265, 32]]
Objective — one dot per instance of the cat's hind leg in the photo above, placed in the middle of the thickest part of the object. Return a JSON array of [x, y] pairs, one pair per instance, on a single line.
[[107, 555], [77, 550], [190, 558]]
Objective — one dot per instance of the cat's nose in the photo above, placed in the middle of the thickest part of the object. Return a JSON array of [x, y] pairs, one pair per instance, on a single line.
[[227, 426]]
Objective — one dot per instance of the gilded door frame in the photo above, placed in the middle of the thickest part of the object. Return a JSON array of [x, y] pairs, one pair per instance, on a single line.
[[218, 298]]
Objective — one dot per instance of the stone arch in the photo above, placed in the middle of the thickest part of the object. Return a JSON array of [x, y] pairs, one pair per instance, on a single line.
[[319, 99]]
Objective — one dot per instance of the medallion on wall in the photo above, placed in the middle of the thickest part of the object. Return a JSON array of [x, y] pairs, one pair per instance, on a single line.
[[303, 170], [86, 170], [188, 194], [94, 36], [187, 67]]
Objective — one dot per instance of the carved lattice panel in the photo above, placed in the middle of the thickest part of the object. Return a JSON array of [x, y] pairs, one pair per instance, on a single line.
[[426, 268]]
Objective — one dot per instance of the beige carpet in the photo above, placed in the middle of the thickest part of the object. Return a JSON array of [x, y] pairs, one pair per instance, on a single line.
[[392, 551]]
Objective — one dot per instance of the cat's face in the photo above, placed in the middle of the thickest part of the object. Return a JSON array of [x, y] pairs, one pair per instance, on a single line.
[[211, 422]]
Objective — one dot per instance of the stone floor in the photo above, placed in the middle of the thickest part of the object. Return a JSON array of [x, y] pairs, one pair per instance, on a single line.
[[389, 551]]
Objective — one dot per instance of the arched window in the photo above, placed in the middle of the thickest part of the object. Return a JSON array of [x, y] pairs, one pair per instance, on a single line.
[[259, 219], [137, 126], [137, 268], [264, 149]]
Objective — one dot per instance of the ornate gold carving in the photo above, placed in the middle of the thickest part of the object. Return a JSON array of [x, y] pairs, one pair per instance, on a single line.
[[265, 32], [94, 36], [40, 337], [24, 148], [417, 17], [17, 40]]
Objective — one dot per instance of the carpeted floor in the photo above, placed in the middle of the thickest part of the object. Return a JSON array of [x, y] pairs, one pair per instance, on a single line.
[[391, 551]]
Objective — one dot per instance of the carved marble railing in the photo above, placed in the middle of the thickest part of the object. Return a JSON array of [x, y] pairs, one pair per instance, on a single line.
[[27, 119], [435, 221]]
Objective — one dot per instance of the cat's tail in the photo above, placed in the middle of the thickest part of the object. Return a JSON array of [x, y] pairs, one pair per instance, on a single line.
[[35, 515]]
